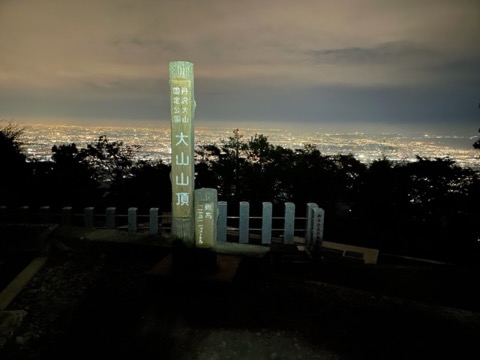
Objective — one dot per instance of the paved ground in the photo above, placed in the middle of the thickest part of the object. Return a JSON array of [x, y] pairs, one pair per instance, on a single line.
[[95, 297]]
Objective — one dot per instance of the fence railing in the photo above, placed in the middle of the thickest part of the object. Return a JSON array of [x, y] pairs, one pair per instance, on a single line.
[[244, 228]]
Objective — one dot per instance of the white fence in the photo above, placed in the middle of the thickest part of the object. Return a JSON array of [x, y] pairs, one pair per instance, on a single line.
[[238, 227]]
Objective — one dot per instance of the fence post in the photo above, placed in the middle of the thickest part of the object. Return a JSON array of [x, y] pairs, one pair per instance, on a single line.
[[289, 225], [317, 231], [45, 215], [244, 222], [132, 220], [67, 215], [110, 221], [267, 223], [309, 225], [88, 216], [3, 214], [153, 221], [222, 221], [24, 214]]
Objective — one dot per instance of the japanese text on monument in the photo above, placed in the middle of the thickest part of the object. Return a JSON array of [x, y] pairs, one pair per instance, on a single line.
[[182, 143]]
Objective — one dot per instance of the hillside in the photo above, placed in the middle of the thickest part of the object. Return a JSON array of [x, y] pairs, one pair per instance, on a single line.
[[99, 296]]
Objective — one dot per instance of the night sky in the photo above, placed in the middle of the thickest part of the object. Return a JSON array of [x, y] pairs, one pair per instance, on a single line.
[[373, 65]]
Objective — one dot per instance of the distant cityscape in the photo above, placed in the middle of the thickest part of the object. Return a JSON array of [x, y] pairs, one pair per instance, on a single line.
[[155, 142]]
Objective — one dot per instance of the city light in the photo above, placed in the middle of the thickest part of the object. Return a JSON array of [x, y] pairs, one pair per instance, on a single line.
[[155, 142]]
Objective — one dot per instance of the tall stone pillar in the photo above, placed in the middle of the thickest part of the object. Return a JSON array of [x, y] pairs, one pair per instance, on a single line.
[[182, 108]]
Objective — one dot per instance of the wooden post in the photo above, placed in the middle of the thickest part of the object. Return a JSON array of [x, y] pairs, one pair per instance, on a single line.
[[154, 221], [289, 225], [309, 224], [88, 215], [222, 222], [67, 215], [267, 223], [3, 214], [45, 215], [244, 223], [24, 215], [182, 109], [132, 220], [317, 231], [110, 217]]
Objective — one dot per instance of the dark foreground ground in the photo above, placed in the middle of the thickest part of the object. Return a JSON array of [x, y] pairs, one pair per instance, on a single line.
[[97, 299]]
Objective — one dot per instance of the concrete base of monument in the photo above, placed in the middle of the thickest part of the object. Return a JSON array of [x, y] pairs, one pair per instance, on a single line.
[[223, 270], [201, 261], [218, 264]]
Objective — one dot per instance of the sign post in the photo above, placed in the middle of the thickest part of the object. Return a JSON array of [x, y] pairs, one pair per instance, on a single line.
[[206, 215], [182, 109]]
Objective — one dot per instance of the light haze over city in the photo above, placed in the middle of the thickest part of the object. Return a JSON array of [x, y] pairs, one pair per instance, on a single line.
[[369, 66]]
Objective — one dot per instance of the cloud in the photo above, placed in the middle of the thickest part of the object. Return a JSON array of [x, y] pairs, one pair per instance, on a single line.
[[384, 53], [460, 70], [276, 59], [66, 44]]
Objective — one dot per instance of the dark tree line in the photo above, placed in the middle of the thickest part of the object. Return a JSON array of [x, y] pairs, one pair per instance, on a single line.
[[428, 207], [104, 173]]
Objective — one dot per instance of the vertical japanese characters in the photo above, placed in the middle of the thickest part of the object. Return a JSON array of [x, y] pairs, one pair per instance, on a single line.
[[182, 107], [206, 214]]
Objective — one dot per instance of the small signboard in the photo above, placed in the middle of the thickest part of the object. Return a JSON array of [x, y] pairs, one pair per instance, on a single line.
[[206, 214]]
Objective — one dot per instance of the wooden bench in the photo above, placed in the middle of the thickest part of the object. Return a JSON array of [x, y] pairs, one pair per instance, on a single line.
[[368, 255]]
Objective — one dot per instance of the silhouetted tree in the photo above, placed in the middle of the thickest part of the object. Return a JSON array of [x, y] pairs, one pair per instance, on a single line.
[[230, 167], [90, 176], [428, 207], [309, 177], [205, 177], [416, 208], [439, 192], [257, 171], [258, 184], [11, 144], [71, 178], [348, 171], [16, 175], [476, 144], [258, 149], [382, 204], [281, 171], [112, 162], [147, 186]]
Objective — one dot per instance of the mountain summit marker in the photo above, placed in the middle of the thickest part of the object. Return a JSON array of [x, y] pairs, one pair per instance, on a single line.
[[182, 109]]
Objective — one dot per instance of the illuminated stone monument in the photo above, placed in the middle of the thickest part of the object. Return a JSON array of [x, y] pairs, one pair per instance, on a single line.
[[194, 212], [182, 108]]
